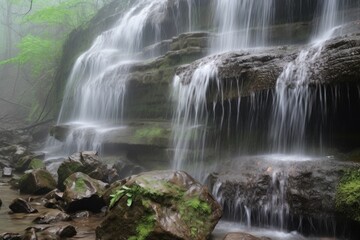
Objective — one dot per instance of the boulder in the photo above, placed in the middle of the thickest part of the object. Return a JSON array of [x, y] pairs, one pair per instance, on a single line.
[[19, 205], [85, 162], [29, 162], [159, 205], [83, 193], [0, 202], [37, 182]]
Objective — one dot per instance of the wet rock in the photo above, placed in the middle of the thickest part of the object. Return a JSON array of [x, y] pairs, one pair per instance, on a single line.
[[29, 162], [258, 70], [83, 193], [51, 217], [7, 172], [159, 205], [67, 232], [53, 204], [304, 188], [11, 236], [19, 205], [0, 202], [30, 234], [85, 162], [125, 168], [37, 182], [240, 236]]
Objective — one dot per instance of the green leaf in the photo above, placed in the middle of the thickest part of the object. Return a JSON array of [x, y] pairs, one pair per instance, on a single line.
[[129, 202]]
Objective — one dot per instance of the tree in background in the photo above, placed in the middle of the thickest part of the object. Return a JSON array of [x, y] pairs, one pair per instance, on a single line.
[[33, 34]]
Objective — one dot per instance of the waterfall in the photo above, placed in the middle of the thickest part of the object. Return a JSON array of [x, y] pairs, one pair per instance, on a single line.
[[190, 119], [95, 93], [241, 24], [294, 97]]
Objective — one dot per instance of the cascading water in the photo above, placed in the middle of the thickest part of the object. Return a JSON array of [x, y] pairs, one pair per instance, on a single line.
[[241, 24], [294, 97], [190, 120], [95, 93]]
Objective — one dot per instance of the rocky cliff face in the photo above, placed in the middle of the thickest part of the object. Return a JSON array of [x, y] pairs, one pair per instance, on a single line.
[[149, 81]]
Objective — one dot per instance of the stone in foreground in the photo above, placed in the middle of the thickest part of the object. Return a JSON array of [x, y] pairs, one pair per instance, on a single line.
[[167, 205]]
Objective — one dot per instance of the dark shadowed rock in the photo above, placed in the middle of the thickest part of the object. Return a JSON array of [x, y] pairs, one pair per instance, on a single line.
[[19, 205], [83, 193], [159, 205], [37, 182], [67, 232]]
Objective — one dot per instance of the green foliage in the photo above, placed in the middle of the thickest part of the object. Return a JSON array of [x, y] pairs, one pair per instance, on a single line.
[[39, 53], [348, 195], [123, 191], [144, 228], [198, 205]]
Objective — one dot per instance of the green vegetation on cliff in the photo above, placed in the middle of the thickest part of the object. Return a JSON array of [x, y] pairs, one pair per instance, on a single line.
[[348, 195]]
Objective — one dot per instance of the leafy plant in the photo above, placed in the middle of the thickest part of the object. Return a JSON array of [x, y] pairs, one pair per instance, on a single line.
[[123, 191]]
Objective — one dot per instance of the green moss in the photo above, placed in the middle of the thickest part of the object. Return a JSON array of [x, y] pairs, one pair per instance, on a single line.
[[80, 185], [150, 133], [144, 228], [36, 164], [348, 195], [194, 212]]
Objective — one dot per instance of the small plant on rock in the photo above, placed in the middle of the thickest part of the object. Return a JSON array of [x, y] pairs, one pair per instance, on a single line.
[[123, 191]]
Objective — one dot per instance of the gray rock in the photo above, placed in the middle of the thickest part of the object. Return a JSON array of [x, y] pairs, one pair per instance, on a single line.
[[7, 172], [83, 193], [37, 182], [19, 205]]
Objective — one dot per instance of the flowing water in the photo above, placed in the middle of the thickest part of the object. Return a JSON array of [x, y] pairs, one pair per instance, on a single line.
[[294, 96], [243, 24], [95, 93]]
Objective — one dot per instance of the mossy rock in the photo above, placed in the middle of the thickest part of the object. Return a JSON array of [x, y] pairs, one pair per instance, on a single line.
[[65, 170], [36, 164], [348, 195], [37, 182], [83, 193], [167, 205]]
